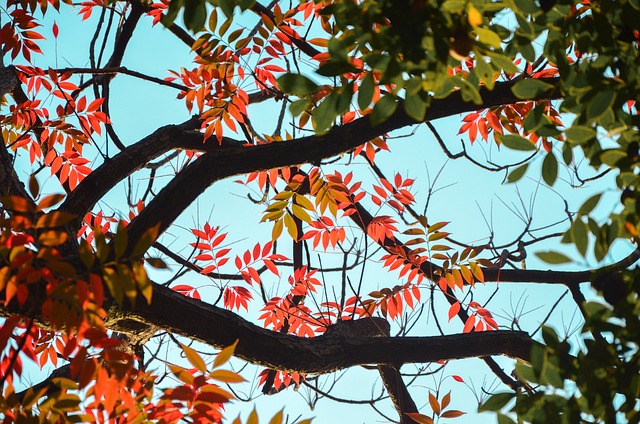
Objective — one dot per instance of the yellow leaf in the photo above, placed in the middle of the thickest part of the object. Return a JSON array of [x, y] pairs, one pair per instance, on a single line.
[[277, 230], [304, 202], [253, 417], [224, 355], [277, 419], [182, 374], [475, 17], [50, 200], [142, 280], [300, 213], [291, 226], [226, 376], [52, 238], [54, 219], [194, 358]]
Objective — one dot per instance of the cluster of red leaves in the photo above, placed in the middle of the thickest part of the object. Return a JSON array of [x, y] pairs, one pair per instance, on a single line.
[[282, 379], [208, 240], [391, 302], [480, 318], [284, 311], [28, 117], [17, 35], [395, 195], [326, 231]]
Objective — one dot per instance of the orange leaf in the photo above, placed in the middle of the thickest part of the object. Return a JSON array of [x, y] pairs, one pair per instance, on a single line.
[[419, 418], [194, 358], [433, 401], [454, 413], [224, 355]]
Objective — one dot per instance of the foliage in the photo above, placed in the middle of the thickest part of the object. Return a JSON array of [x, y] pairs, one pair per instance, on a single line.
[[552, 84]]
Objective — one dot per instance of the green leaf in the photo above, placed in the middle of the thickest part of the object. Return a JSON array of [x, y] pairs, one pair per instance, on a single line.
[[579, 134], [296, 84], [195, 14], [579, 236], [550, 169], [504, 419], [488, 37], [415, 106], [484, 71], [552, 257], [530, 88], [600, 103], [496, 402], [383, 109], [503, 62], [365, 93], [299, 106], [590, 204], [612, 156], [517, 142], [325, 114], [517, 173]]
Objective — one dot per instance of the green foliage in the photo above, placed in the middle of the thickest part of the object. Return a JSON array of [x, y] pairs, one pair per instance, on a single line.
[[601, 383]]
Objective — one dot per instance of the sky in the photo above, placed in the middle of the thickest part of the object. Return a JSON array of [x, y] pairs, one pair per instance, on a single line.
[[476, 203]]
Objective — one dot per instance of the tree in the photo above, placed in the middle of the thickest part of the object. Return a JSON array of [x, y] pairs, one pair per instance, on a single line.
[[94, 283]]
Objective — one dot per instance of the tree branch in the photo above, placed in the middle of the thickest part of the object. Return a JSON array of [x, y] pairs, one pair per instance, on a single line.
[[223, 162]]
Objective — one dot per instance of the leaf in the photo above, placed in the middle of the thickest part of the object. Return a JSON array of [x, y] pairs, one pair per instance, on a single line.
[[194, 358], [452, 413], [297, 84], [147, 239], [580, 236], [488, 37], [226, 376], [54, 219], [365, 93], [277, 419], [52, 238], [121, 240], [435, 405], [49, 201], [157, 263], [517, 142], [34, 187], [530, 88], [419, 418], [580, 134], [550, 169], [517, 173], [415, 106], [224, 355], [496, 402], [16, 203], [590, 204], [383, 109], [600, 103], [195, 14], [552, 257]]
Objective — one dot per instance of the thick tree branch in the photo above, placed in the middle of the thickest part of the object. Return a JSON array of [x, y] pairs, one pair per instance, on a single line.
[[323, 354], [225, 162]]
